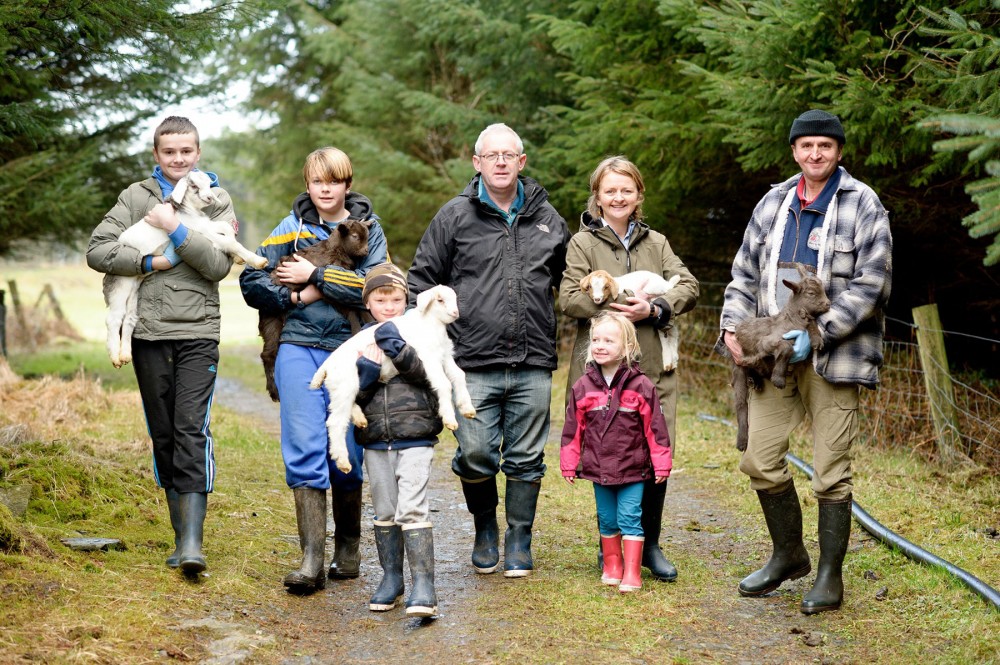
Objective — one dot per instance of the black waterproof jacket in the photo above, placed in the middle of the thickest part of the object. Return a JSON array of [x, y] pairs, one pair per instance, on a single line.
[[505, 277]]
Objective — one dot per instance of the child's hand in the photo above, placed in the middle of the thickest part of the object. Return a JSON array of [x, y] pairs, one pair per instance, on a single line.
[[297, 270], [660, 480], [373, 353], [163, 216], [569, 479]]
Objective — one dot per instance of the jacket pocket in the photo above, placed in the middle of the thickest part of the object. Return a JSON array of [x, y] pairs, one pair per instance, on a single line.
[[183, 302], [842, 264]]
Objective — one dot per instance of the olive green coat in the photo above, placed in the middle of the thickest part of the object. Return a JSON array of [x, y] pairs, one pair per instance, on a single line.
[[180, 303], [596, 247]]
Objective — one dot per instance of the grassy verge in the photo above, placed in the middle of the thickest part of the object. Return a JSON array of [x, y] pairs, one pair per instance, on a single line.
[[81, 449], [85, 461]]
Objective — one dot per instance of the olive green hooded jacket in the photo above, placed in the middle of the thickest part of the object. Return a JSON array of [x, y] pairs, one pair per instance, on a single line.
[[596, 247]]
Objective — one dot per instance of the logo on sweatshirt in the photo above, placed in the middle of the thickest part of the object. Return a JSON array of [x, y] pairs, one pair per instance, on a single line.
[[544, 228], [211, 368]]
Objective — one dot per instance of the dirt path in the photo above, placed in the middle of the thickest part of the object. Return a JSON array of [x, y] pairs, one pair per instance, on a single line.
[[335, 626]]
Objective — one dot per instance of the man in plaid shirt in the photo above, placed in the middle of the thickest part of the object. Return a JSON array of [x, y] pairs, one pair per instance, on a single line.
[[837, 227]]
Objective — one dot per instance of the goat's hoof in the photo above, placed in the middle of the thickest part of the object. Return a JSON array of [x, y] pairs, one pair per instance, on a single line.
[[344, 465], [451, 424], [469, 413], [779, 383], [360, 422], [669, 367], [260, 262]]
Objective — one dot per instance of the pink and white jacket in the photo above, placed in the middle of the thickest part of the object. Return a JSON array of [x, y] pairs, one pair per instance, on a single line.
[[614, 434]]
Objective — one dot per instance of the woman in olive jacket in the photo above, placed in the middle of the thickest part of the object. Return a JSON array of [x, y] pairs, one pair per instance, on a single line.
[[612, 237]]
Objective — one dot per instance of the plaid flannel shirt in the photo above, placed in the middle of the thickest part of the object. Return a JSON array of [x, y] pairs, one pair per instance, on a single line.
[[855, 265]]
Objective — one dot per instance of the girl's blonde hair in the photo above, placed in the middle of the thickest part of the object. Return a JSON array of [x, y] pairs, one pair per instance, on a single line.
[[631, 353], [330, 165], [621, 165]]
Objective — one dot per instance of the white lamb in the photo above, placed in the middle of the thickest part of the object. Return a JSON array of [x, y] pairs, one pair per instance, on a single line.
[[423, 328], [190, 196], [603, 287]]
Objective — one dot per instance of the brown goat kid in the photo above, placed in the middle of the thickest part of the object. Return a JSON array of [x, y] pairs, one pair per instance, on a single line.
[[766, 352], [347, 244]]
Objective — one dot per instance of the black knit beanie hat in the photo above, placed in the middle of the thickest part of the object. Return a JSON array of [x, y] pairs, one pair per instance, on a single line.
[[817, 123], [384, 274]]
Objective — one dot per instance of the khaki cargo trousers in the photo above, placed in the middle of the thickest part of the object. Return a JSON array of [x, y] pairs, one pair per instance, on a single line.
[[774, 414]]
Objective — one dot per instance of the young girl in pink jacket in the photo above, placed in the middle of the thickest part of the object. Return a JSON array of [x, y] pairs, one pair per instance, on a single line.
[[616, 437]]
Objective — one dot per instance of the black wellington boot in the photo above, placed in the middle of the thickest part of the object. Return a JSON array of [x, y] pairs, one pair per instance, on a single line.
[[174, 507], [834, 534], [521, 501], [652, 520], [789, 559], [419, 541], [310, 515], [193, 506], [346, 562], [482, 499], [389, 542]]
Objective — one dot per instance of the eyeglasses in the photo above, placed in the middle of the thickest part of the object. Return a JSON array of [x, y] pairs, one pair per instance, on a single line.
[[492, 157]]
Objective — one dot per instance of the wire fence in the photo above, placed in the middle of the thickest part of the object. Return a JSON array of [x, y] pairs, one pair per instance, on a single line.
[[898, 414]]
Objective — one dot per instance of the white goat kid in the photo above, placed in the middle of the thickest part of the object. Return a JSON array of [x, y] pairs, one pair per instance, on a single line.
[[190, 196], [603, 287], [423, 328]]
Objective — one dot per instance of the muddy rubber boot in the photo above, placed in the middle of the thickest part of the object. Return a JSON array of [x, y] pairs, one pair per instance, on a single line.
[[174, 507], [652, 521], [310, 515], [611, 546], [834, 534], [789, 558], [419, 541], [389, 543], [193, 506], [346, 562], [521, 499], [481, 498], [632, 554]]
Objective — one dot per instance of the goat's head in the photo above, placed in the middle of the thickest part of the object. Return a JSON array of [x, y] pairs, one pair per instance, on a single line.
[[353, 237], [600, 286], [439, 302], [193, 191], [808, 295]]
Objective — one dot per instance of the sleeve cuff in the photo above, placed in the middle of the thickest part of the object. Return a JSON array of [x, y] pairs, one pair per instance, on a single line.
[[179, 235]]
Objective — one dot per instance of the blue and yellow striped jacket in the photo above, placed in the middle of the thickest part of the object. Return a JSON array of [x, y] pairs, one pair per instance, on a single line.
[[319, 324]]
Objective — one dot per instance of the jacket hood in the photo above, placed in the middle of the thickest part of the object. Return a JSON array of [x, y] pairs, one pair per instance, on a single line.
[[595, 226], [357, 205], [623, 374]]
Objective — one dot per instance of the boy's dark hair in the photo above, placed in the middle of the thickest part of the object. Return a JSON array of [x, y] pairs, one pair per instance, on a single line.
[[175, 124]]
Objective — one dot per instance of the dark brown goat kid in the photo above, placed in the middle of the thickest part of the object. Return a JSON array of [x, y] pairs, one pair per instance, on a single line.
[[347, 244], [766, 352]]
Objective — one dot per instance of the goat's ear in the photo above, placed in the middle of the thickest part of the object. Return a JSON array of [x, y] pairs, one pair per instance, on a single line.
[[342, 230], [794, 286], [585, 284], [180, 189], [424, 300], [613, 288], [802, 270]]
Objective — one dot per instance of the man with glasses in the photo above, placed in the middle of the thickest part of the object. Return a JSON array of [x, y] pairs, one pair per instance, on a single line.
[[502, 247]]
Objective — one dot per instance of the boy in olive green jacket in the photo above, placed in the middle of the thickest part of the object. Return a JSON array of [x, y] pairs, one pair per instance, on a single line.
[[175, 346]]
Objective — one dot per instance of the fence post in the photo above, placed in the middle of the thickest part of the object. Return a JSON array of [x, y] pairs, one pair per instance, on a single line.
[[22, 321], [3, 324], [937, 381]]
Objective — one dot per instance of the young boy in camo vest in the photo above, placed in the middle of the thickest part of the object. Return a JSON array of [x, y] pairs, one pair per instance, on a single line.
[[399, 445]]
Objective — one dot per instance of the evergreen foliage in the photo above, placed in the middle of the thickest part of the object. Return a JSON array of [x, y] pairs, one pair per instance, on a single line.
[[75, 79]]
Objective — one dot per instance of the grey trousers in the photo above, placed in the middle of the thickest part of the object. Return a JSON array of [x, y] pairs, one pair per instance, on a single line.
[[398, 481]]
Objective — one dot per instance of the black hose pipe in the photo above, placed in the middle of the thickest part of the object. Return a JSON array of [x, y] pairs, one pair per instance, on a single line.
[[915, 552]]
